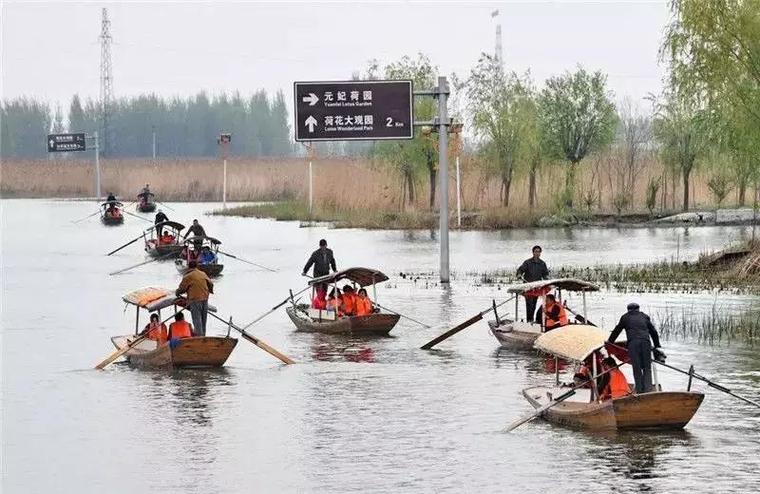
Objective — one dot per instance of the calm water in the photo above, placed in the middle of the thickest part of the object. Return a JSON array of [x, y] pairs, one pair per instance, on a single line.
[[353, 415]]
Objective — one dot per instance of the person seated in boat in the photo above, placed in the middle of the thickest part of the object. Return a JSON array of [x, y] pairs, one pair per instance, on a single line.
[[206, 256], [166, 238], [320, 297], [363, 303], [156, 330], [553, 313], [583, 376], [613, 384], [180, 328], [349, 301], [335, 302]]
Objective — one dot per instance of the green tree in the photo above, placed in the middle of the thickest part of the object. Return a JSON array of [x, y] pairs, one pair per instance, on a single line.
[[679, 126], [576, 116], [502, 113]]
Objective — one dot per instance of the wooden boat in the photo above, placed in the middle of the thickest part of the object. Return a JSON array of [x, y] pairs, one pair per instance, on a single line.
[[655, 410], [113, 216], [378, 323], [146, 202], [156, 248], [195, 352], [190, 246], [516, 334]]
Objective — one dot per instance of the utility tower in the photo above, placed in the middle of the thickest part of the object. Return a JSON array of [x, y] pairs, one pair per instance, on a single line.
[[498, 55], [106, 83]]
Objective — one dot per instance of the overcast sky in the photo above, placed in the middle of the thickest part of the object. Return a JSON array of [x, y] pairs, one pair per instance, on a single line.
[[50, 50]]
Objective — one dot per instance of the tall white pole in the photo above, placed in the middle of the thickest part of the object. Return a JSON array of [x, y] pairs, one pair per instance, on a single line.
[[154, 147], [443, 121], [311, 187], [97, 166], [459, 197], [224, 185]]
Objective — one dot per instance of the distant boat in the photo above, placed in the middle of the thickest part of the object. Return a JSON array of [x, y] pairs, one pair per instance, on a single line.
[[322, 321], [111, 214], [146, 202]]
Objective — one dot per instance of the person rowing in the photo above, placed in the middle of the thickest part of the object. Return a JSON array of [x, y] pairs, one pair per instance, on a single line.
[[160, 218], [322, 259]]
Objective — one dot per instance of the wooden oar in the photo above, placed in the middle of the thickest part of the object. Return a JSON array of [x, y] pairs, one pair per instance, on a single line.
[[402, 315], [556, 401], [125, 245], [284, 358], [165, 205], [136, 216], [262, 316], [118, 353], [248, 262], [469, 322], [141, 264], [88, 216], [697, 376]]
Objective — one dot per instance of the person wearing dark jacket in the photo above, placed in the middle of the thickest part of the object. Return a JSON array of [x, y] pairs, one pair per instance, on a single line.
[[638, 330], [322, 259], [160, 218], [197, 230], [533, 269]]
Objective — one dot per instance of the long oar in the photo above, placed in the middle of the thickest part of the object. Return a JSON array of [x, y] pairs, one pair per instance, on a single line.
[[248, 262], [165, 205], [284, 358], [262, 316], [141, 264], [469, 322], [88, 216], [118, 353], [556, 401], [125, 245], [697, 376], [404, 316], [136, 216]]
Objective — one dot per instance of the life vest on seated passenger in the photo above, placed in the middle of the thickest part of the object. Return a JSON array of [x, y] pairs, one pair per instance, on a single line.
[[363, 306], [562, 319], [617, 387], [349, 303], [180, 329], [157, 333]]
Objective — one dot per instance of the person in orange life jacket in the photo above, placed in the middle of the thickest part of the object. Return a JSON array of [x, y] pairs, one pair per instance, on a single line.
[[156, 330], [349, 301], [180, 328], [167, 238], [613, 384], [319, 301], [553, 313], [363, 303], [583, 376], [335, 302]]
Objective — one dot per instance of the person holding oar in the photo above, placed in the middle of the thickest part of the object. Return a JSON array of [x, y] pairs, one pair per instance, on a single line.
[[198, 286], [160, 218], [533, 269], [322, 259]]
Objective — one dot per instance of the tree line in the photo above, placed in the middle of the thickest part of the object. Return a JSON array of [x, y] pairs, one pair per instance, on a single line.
[[184, 127]]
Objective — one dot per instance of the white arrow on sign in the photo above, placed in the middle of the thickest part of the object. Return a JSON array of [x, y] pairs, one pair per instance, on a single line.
[[51, 143], [311, 122], [312, 99]]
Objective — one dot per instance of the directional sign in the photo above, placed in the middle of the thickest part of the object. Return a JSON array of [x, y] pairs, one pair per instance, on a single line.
[[353, 110], [61, 143]]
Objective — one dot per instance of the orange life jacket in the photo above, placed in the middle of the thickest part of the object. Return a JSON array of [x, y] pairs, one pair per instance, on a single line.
[[617, 386], [319, 302], [551, 323], [363, 306], [335, 305], [157, 333], [180, 329], [349, 303]]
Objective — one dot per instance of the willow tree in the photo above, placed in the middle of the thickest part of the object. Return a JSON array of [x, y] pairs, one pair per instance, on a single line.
[[576, 116], [500, 105]]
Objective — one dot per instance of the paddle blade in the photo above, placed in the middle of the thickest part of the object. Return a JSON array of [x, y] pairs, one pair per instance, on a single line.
[[514, 425], [469, 322], [118, 353]]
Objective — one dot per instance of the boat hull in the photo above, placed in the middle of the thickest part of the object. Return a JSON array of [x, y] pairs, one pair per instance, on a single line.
[[197, 352], [510, 338], [112, 220], [211, 270], [146, 208], [656, 410], [377, 324], [167, 250]]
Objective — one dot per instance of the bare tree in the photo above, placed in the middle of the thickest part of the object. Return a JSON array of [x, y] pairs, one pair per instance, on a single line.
[[634, 138]]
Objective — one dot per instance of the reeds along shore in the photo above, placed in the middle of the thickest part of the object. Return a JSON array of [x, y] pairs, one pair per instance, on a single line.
[[358, 186]]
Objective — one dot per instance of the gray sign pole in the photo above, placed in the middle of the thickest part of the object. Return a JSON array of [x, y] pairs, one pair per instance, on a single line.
[[97, 165], [443, 172]]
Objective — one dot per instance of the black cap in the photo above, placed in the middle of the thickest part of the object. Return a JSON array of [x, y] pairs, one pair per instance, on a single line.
[[633, 306], [323, 243]]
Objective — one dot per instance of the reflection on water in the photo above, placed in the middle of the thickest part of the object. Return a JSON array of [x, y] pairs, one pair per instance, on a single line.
[[369, 415]]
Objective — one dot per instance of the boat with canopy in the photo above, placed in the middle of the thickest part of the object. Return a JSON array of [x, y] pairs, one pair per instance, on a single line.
[[111, 213], [194, 352], [518, 334], [308, 319], [146, 202], [582, 408], [165, 244], [191, 251]]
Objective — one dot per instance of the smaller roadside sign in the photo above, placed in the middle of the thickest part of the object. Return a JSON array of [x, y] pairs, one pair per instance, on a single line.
[[63, 143]]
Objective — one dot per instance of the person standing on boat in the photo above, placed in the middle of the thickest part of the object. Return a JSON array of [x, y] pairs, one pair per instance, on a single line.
[[197, 230], [198, 286], [322, 259], [533, 269], [638, 331], [160, 218]]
